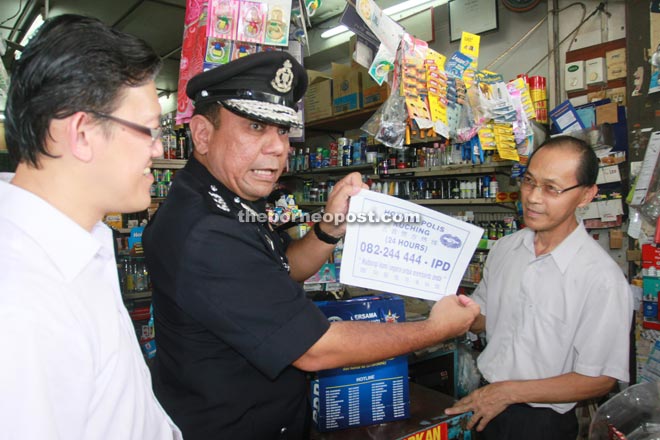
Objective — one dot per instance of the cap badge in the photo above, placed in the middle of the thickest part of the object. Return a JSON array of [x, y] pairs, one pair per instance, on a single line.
[[283, 78]]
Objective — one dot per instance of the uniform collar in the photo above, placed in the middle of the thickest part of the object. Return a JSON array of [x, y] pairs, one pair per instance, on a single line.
[[69, 247], [223, 198]]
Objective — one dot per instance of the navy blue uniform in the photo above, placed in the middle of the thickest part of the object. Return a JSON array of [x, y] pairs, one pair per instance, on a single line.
[[229, 318]]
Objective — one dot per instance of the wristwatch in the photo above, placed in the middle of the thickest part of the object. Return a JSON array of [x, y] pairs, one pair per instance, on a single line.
[[325, 238]]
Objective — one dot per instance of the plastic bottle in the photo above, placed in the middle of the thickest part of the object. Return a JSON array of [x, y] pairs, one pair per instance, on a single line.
[[130, 276], [140, 281], [169, 140], [493, 187]]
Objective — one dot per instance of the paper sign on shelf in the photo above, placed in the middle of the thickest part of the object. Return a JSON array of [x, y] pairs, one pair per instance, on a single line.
[[608, 174], [424, 259], [647, 171]]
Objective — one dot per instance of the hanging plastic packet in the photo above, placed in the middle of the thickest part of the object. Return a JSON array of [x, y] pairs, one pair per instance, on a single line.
[[470, 47], [413, 80], [222, 18], [467, 376], [277, 23], [388, 124], [456, 91], [466, 128], [436, 85], [382, 66]]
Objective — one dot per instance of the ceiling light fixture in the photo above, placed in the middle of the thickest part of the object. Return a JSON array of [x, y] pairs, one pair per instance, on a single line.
[[401, 8], [36, 24], [335, 31]]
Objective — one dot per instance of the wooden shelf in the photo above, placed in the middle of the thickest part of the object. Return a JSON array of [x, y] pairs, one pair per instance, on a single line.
[[612, 84], [174, 164], [330, 170], [457, 202], [437, 202], [596, 51], [449, 170], [445, 170], [343, 122], [137, 295]]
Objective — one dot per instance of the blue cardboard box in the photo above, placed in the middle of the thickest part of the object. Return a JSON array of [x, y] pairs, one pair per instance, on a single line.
[[651, 287], [362, 395]]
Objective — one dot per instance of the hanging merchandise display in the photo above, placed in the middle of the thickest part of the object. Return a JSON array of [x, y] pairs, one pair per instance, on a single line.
[[219, 31], [192, 54], [449, 97]]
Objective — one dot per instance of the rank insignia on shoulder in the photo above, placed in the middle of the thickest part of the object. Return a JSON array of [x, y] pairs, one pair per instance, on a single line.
[[218, 201], [270, 242]]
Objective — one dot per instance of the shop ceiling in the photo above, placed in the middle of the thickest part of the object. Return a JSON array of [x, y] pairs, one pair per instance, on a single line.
[[159, 22]]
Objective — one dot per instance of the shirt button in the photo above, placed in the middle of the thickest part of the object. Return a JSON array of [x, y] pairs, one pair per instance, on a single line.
[[237, 199]]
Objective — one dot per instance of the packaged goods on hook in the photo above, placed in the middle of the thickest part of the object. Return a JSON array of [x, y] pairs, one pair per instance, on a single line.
[[249, 21], [434, 95]]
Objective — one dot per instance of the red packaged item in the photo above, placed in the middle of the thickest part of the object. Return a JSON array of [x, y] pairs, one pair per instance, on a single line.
[[192, 55]]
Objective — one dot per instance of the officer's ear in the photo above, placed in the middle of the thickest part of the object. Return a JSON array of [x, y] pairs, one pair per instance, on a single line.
[[201, 130]]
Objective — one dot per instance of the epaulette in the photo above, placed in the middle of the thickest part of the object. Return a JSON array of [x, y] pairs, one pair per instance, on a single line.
[[216, 203]]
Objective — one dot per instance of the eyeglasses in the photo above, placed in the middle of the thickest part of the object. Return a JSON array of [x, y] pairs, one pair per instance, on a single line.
[[528, 184], [153, 133]]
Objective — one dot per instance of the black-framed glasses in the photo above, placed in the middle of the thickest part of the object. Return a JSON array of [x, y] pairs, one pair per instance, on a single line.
[[153, 133], [529, 184]]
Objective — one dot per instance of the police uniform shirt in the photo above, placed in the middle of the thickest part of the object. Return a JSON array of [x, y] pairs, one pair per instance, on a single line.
[[229, 319]]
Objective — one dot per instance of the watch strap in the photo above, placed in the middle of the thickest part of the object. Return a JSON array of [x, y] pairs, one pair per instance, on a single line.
[[325, 238]]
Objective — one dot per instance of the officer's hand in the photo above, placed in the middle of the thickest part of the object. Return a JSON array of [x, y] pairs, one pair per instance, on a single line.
[[338, 203], [454, 314]]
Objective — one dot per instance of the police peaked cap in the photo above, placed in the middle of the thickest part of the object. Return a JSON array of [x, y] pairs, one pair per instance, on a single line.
[[264, 86]]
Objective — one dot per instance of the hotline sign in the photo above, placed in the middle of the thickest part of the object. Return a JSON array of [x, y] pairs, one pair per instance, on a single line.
[[401, 247]]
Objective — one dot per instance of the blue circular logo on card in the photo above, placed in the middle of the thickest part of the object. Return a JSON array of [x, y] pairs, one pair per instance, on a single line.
[[450, 241]]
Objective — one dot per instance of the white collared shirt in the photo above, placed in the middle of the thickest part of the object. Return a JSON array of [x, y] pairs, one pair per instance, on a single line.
[[566, 311], [71, 365]]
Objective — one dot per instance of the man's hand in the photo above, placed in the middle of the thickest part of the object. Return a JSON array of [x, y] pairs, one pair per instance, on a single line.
[[486, 403], [350, 185], [454, 314]]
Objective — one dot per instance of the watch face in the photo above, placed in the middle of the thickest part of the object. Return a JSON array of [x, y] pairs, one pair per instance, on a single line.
[[520, 5]]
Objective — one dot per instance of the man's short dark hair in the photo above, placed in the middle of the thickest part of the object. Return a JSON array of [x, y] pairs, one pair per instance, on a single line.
[[587, 171], [210, 110], [72, 64]]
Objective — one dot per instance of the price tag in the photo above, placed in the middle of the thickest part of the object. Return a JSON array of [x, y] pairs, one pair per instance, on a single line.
[[608, 175], [401, 247]]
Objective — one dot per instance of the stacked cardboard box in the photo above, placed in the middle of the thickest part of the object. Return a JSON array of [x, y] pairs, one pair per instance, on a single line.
[[362, 395], [318, 98]]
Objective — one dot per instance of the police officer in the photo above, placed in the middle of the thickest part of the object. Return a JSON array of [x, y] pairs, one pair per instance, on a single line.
[[234, 329]]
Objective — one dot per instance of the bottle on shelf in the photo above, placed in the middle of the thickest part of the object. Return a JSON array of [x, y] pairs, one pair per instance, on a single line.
[[493, 187], [181, 144], [168, 137]]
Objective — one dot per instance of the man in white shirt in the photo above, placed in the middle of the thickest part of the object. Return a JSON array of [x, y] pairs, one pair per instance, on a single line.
[[555, 307], [82, 123]]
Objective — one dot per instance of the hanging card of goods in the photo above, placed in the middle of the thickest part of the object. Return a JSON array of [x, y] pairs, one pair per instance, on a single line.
[[449, 97], [219, 31]]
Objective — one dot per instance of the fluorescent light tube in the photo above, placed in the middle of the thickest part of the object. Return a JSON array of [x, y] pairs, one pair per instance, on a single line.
[[396, 9], [334, 31]]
